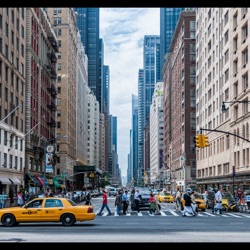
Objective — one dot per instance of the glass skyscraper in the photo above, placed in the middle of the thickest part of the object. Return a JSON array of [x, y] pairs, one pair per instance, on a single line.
[[88, 23], [168, 20]]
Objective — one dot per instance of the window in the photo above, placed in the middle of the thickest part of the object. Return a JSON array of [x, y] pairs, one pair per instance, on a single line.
[[235, 44], [245, 81], [226, 56], [226, 18], [226, 37], [226, 75], [6, 30], [22, 32], [59, 78], [245, 57], [1, 45], [57, 20], [59, 55], [235, 67], [58, 32], [244, 33], [59, 43], [235, 21], [7, 51], [59, 90], [58, 101], [59, 66], [58, 113], [57, 10], [5, 138]]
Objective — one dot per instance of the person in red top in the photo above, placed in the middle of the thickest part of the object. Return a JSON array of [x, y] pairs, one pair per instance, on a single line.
[[104, 203]]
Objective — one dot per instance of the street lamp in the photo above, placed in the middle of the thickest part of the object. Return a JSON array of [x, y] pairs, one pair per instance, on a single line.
[[223, 106]]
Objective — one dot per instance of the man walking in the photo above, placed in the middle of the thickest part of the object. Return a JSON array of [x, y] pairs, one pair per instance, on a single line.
[[125, 201], [137, 200], [104, 202]]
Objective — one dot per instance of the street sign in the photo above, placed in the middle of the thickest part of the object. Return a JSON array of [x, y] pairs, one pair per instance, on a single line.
[[182, 158]]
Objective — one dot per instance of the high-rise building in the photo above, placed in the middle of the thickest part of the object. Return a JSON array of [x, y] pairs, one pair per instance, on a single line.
[[168, 20], [88, 25], [146, 83], [134, 137]]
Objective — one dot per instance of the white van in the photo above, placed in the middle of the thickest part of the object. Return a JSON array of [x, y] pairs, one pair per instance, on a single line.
[[112, 191]]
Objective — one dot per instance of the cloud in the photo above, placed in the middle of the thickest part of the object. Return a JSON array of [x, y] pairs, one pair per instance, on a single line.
[[123, 31]]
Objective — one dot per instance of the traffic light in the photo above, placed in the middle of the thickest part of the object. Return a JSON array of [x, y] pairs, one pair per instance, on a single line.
[[205, 141], [198, 141]]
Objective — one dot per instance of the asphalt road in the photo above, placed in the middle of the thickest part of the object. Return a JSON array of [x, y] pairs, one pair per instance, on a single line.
[[170, 227]]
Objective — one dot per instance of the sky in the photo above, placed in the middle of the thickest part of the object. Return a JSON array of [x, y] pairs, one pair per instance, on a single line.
[[123, 31]]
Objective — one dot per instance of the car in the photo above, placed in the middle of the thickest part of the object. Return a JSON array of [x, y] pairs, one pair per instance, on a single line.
[[144, 202], [200, 202], [227, 200], [165, 196], [112, 191], [47, 209]]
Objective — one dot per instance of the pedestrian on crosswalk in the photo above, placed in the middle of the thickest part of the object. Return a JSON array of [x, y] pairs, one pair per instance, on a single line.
[[104, 202]]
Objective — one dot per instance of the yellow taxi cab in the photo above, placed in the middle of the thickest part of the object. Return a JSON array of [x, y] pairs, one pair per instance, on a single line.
[[47, 209], [200, 202], [165, 196]]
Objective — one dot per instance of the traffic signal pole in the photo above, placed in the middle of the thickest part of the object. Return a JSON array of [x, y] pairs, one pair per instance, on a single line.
[[221, 131]]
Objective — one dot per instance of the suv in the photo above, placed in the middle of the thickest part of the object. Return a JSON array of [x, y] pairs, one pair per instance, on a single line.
[[144, 203]]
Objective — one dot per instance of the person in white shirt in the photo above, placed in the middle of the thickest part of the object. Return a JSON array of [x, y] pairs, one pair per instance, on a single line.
[[178, 200], [218, 201], [137, 200]]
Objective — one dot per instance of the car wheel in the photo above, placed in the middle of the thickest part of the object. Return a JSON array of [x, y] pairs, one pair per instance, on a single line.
[[68, 219], [9, 220]]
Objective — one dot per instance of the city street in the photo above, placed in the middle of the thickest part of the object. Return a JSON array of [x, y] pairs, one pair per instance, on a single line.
[[165, 228]]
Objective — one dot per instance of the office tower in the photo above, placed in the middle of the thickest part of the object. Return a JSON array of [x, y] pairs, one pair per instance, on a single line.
[[168, 20], [88, 25]]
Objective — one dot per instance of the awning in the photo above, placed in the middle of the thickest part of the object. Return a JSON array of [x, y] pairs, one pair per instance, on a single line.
[[56, 183], [40, 179], [34, 180], [44, 180], [5, 180], [15, 181]]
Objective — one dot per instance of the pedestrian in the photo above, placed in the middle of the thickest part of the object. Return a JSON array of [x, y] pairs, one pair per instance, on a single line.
[[218, 201], [152, 205], [187, 204], [125, 201], [88, 198], [137, 200], [157, 206], [239, 193], [104, 202], [193, 204], [118, 202], [178, 199], [19, 199]]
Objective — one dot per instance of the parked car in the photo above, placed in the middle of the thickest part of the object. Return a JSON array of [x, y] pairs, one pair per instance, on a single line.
[[200, 202], [47, 209], [165, 196], [144, 203]]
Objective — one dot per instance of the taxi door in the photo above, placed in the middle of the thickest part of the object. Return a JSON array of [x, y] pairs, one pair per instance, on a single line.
[[53, 209], [31, 212]]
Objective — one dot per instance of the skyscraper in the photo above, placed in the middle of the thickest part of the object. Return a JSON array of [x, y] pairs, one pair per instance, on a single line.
[[89, 25], [168, 20], [151, 75]]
